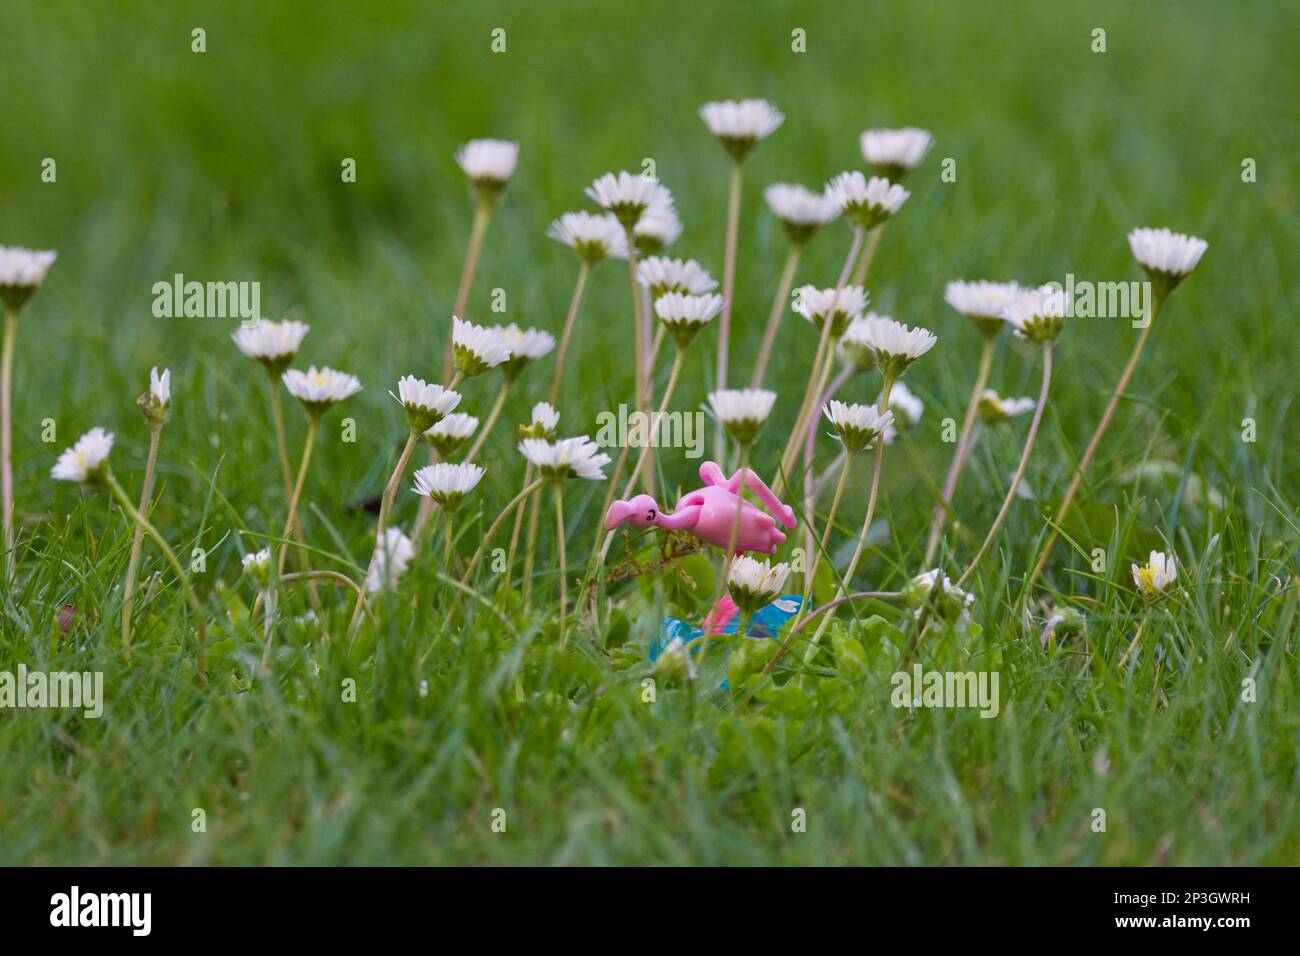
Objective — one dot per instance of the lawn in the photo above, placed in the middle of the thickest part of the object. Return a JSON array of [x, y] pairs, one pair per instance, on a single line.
[[468, 726]]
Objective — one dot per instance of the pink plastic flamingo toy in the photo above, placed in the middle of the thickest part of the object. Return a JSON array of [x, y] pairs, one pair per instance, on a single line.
[[710, 512]]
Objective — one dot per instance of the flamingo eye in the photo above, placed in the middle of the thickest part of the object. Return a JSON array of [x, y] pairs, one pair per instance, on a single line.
[[650, 515]]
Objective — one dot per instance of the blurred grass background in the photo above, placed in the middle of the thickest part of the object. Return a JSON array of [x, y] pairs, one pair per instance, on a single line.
[[226, 165]]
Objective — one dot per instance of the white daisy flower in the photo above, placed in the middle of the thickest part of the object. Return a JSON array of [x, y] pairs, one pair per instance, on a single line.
[[951, 604], [983, 302], [567, 458], [86, 462], [543, 424], [594, 236], [1156, 576], [893, 345], [489, 163], [396, 548], [857, 426], [840, 306], [893, 153], [1038, 315], [155, 404], [160, 386], [742, 411], [994, 408], [524, 345], [257, 565], [1063, 622], [475, 348], [319, 389], [447, 484], [685, 315], [800, 209], [754, 584], [274, 344], [1167, 256], [866, 203], [855, 347], [449, 435], [658, 228], [661, 275], [905, 405], [426, 404], [741, 124], [626, 195], [675, 663], [21, 271]]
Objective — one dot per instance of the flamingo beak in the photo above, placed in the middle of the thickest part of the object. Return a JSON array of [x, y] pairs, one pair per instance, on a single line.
[[618, 512]]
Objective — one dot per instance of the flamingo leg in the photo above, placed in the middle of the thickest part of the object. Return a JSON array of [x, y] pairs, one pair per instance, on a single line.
[[711, 474], [749, 478]]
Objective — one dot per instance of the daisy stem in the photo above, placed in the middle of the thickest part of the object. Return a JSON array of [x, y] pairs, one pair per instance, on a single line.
[[656, 345], [313, 423], [812, 487], [390, 492], [774, 317], [564, 574], [859, 278], [866, 526], [826, 532], [168, 553], [1046, 550], [1020, 469], [277, 415], [600, 546], [268, 628], [385, 507], [729, 276], [868, 255], [286, 473], [816, 389], [482, 213], [447, 545], [493, 415], [801, 421], [637, 322], [562, 350], [832, 469], [137, 539], [654, 422], [959, 453], [514, 533], [821, 397], [854, 247], [6, 438], [793, 442], [647, 323]]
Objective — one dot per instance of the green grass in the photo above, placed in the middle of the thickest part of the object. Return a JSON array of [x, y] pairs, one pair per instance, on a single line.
[[225, 165]]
